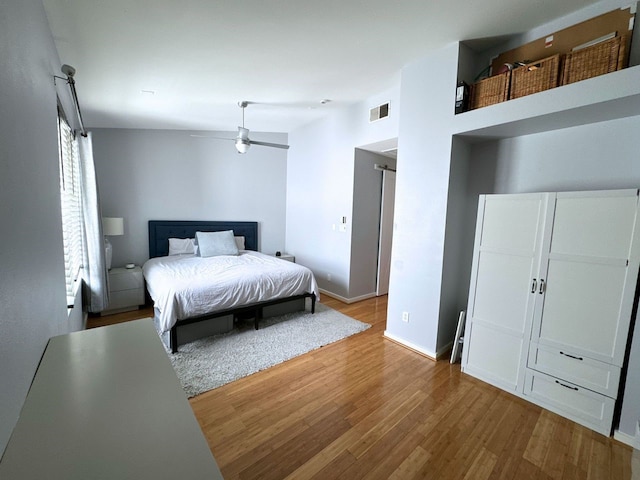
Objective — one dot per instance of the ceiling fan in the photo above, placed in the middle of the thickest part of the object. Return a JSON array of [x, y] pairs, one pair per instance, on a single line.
[[242, 141]]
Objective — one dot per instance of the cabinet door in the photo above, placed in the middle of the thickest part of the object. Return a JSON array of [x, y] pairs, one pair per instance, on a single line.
[[508, 243], [590, 273]]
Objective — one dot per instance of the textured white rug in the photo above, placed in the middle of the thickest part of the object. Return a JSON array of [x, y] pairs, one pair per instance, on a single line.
[[214, 361]]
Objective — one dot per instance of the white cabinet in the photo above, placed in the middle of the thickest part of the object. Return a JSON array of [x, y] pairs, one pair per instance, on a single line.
[[590, 285], [509, 236], [551, 297]]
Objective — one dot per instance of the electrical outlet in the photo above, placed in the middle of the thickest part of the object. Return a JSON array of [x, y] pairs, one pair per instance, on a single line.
[[329, 276], [405, 317]]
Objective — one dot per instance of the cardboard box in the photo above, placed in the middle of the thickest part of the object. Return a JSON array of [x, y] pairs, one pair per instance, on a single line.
[[619, 22]]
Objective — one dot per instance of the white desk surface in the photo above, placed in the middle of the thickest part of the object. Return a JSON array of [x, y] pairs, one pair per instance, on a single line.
[[106, 404]]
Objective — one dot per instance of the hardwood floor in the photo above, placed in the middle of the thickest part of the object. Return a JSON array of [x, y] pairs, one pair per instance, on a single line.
[[365, 407]]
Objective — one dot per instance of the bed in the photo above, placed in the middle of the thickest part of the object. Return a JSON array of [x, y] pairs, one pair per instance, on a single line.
[[187, 288]]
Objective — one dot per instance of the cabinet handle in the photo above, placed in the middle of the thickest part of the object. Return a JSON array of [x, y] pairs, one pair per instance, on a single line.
[[534, 285], [542, 287], [567, 386], [571, 356]]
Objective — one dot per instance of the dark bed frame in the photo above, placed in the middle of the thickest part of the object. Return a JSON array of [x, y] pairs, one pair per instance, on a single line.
[[161, 230]]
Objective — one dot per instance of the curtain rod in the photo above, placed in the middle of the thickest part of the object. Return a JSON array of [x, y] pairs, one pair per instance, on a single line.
[[69, 71]]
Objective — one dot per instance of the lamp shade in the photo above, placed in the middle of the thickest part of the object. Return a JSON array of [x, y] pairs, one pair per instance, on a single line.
[[112, 226]]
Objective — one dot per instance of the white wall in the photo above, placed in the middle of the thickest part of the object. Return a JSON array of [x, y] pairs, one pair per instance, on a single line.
[[320, 182], [168, 175], [32, 287], [422, 184]]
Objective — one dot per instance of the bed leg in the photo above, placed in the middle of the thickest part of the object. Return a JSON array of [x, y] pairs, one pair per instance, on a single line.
[[173, 339], [313, 304], [258, 315]]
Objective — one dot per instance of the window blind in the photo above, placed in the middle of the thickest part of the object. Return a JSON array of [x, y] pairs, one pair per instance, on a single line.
[[71, 206]]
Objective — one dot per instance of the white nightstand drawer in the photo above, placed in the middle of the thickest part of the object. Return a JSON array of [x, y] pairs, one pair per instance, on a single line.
[[583, 406], [126, 290], [126, 298], [575, 368], [125, 279]]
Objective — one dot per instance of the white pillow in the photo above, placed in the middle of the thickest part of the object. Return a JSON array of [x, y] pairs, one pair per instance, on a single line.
[[211, 244], [180, 246], [240, 242]]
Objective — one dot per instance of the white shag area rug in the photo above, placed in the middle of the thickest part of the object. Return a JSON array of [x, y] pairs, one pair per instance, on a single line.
[[211, 362]]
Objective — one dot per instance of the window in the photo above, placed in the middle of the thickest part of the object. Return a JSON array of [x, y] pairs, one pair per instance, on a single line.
[[71, 205]]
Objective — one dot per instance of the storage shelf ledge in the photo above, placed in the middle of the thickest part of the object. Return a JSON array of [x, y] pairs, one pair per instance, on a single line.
[[607, 97]]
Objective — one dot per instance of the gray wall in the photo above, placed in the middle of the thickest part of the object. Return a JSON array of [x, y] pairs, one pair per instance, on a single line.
[[168, 175], [596, 156], [367, 200], [458, 239], [32, 287]]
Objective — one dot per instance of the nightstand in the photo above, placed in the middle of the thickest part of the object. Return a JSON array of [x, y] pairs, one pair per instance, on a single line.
[[287, 257], [126, 290]]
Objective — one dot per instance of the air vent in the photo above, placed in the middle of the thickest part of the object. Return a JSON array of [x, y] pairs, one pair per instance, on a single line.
[[379, 112]]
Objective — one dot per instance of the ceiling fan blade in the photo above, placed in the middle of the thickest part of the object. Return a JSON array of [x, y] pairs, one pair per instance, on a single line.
[[242, 141], [267, 144], [210, 136]]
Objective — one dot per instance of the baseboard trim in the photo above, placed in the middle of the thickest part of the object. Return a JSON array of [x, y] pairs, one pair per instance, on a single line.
[[410, 346], [444, 351], [347, 300], [624, 438]]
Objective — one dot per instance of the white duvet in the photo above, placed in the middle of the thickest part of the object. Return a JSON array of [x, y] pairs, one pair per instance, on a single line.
[[185, 286]]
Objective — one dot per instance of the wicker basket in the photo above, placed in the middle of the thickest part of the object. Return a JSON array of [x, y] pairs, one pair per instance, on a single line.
[[535, 77], [490, 91], [598, 59]]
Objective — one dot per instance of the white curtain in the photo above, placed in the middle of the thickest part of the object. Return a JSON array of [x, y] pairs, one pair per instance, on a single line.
[[95, 274]]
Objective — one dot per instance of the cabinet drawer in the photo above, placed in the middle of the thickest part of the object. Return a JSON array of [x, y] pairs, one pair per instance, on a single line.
[[126, 298], [575, 368], [126, 280], [583, 406]]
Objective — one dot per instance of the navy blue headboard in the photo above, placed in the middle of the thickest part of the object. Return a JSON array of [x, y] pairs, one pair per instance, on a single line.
[[161, 230]]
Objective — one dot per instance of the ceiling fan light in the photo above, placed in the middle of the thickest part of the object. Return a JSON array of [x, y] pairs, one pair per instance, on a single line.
[[242, 145]]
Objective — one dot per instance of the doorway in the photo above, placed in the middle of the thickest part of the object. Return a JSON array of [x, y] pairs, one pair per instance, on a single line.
[[386, 231], [372, 221]]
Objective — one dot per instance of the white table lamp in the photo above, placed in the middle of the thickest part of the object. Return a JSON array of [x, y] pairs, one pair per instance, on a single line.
[[111, 226]]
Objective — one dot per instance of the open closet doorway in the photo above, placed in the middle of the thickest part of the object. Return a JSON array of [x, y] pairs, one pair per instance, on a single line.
[[372, 224], [386, 229]]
